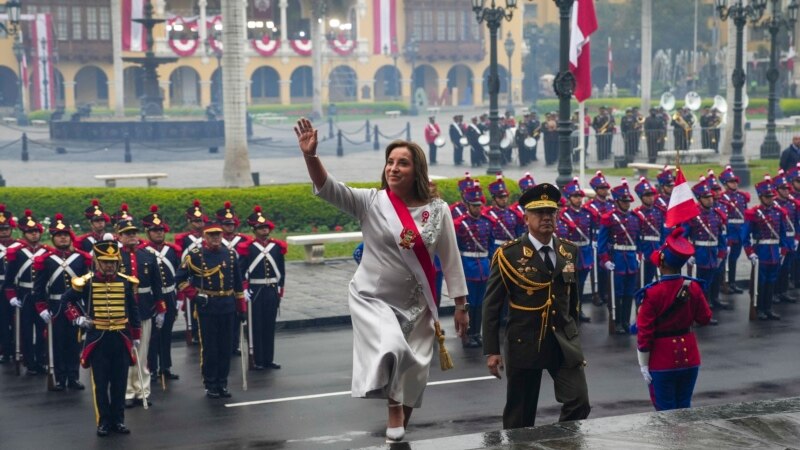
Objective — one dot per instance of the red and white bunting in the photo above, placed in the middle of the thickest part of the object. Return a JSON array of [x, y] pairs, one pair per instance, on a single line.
[[133, 36], [301, 46], [342, 45], [384, 22], [266, 46], [211, 24], [183, 47], [43, 80]]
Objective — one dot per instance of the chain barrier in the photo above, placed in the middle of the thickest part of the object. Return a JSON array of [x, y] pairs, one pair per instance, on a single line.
[[393, 136], [96, 149], [349, 141], [352, 132], [20, 129], [3, 147]]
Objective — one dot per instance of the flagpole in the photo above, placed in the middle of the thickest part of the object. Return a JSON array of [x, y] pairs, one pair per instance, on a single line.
[[608, 63], [581, 119]]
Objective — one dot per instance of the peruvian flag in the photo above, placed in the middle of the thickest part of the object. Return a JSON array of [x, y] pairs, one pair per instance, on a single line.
[[132, 32], [384, 20], [682, 206], [43, 81], [610, 60], [584, 23]]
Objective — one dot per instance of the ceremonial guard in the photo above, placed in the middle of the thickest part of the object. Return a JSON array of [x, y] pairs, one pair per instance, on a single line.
[[7, 226], [535, 129], [550, 138], [714, 128], [98, 220], [598, 206], [706, 232], [473, 233], [524, 183], [123, 213], [577, 224], [456, 132], [459, 208], [655, 130], [520, 134], [682, 123], [787, 201], [669, 358], [229, 221], [666, 182], [56, 268], [196, 219], [508, 223], [210, 276], [159, 355], [630, 134], [102, 303], [604, 128], [618, 244], [766, 243], [535, 276], [141, 265], [794, 179], [473, 133], [432, 131], [262, 263], [653, 232], [18, 287]]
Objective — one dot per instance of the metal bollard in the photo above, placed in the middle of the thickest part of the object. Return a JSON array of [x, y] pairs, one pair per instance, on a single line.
[[367, 127], [339, 148], [256, 178], [330, 127], [25, 155], [128, 157], [375, 145], [408, 131]]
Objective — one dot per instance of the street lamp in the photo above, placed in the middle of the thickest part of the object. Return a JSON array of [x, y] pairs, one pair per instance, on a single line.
[[393, 53], [564, 86], [215, 106], [509, 44], [45, 81], [740, 14], [412, 51], [493, 16], [14, 9], [770, 148]]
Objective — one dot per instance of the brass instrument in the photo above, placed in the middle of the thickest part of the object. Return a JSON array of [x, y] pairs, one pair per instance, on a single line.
[[639, 125], [537, 131]]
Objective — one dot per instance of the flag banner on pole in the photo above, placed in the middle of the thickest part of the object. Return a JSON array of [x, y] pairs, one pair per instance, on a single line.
[[42, 45], [584, 23], [682, 206], [610, 61], [133, 38], [384, 21]]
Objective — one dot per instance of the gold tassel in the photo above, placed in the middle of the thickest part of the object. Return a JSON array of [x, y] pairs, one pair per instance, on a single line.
[[445, 361]]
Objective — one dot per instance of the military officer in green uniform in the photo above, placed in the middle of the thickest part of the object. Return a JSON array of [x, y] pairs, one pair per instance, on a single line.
[[535, 275]]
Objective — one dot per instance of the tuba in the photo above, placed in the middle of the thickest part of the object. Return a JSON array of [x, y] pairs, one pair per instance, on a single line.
[[692, 100], [667, 101], [721, 105]]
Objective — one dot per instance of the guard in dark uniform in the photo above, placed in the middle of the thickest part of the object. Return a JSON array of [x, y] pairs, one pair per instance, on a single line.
[[159, 355], [655, 130], [57, 267], [789, 203], [456, 132], [598, 206], [123, 213], [535, 275], [18, 287], [630, 134], [653, 232], [577, 225], [211, 277], [459, 208], [524, 183], [508, 223], [7, 225], [737, 204], [604, 128], [666, 182], [98, 220], [705, 125], [102, 302], [264, 272], [229, 220], [476, 149], [187, 241]]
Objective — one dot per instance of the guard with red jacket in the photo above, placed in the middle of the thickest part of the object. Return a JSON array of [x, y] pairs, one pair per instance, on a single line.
[[789, 203], [98, 220], [432, 131], [737, 201], [473, 234], [524, 183], [196, 219], [18, 287], [7, 225], [577, 225], [669, 358], [653, 232], [618, 244], [666, 182], [56, 268], [159, 355], [508, 223], [264, 272], [229, 221], [459, 208], [766, 244], [102, 302], [599, 206]]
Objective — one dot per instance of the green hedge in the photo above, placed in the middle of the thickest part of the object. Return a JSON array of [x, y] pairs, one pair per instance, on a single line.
[[789, 106], [292, 207]]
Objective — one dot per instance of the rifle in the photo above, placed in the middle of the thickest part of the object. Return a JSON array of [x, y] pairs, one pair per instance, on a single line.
[[250, 356], [245, 356], [753, 290], [51, 375], [141, 377], [17, 344], [612, 307], [595, 296], [188, 321]]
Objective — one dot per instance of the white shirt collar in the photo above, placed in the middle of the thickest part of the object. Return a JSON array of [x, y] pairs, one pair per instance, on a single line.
[[538, 245]]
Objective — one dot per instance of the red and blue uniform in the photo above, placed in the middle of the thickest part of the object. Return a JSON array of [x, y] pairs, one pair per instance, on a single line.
[[653, 232], [579, 226], [598, 207], [707, 233], [789, 204]]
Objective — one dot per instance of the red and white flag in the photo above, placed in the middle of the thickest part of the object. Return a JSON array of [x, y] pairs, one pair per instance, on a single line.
[[43, 95], [384, 21], [25, 74], [610, 61], [584, 23], [682, 206], [133, 38]]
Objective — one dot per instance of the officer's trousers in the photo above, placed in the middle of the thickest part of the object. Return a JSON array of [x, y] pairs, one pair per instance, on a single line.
[[787, 268], [265, 312], [110, 362], [624, 288], [733, 256], [31, 324], [458, 154], [672, 389], [216, 331], [159, 357], [6, 332], [522, 396], [432, 153], [66, 349]]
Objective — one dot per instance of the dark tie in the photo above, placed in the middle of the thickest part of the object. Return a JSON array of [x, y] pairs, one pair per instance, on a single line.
[[547, 261]]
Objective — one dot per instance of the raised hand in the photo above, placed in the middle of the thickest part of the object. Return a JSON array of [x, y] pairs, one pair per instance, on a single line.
[[306, 137]]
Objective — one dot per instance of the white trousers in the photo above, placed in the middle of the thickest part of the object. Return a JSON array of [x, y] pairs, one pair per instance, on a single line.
[[135, 389]]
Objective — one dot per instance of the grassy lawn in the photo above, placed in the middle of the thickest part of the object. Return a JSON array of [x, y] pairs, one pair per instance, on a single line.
[[758, 167]]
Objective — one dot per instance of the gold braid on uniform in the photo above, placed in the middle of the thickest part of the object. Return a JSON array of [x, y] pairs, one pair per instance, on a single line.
[[508, 272]]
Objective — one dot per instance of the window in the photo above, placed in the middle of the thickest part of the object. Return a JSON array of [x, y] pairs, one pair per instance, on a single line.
[[77, 23], [91, 24], [427, 27], [32, 9], [452, 27], [105, 20], [466, 26], [441, 26], [62, 23], [416, 31]]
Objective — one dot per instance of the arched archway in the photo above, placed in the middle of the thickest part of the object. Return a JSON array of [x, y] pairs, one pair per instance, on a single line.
[[9, 87], [265, 85], [301, 89], [461, 84], [502, 73], [91, 87], [342, 84], [387, 84], [216, 87], [58, 79], [133, 85], [426, 78], [184, 87]]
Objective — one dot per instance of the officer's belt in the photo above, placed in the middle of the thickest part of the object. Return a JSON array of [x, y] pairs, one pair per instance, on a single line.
[[706, 243], [671, 333], [545, 312], [2, 278], [263, 281], [25, 284], [581, 243], [110, 325], [766, 241], [144, 290], [475, 254], [227, 293], [499, 242], [735, 221], [168, 289], [56, 297], [626, 248], [651, 238]]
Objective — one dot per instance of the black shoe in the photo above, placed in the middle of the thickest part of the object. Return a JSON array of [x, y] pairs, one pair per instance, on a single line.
[[762, 316], [169, 375], [620, 329], [195, 341], [471, 343], [257, 367], [723, 306], [784, 298], [130, 403], [153, 377], [35, 370], [224, 393], [598, 301], [4, 359], [102, 430], [584, 318], [735, 289], [713, 322], [212, 393], [75, 385], [58, 387], [237, 352], [120, 428], [273, 365], [772, 316]]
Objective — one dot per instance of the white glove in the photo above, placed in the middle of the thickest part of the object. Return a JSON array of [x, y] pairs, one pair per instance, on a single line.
[[45, 315], [247, 295], [691, 261], [136, 343], [160, 320], [15, 302], [179, 305], [753, 257], [646, 374], [82, 322], [609, 265]]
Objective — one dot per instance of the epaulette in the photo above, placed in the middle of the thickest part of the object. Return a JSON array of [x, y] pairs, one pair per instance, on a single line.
[[512, 242], [79, 282], [283, 245], [568, 242], [130, 278], [196, 250]]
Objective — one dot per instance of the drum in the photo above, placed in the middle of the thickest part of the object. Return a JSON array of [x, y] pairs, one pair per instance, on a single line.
[[439, 141], [463, 141], [484, 139], [530, 142], [505, 142]]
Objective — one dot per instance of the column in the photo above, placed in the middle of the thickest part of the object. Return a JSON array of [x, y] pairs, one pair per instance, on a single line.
[[164, 86], [284, 50], [286, 92], [205, 93], [69, 94], [116, 42], [203, 34]]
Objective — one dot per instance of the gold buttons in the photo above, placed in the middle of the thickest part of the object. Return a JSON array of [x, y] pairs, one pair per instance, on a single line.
[[519, 341], [553, 312], [554, 328], [683, 340], [674, 341]]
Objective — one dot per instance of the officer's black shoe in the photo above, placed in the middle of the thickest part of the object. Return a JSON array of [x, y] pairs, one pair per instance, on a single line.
[[584, 318], [273, 365], [598, 301], [170, 376], [258, 367], [212, 393], [130, 403], [735, 289], [4, 359], [762, 316], [154, 377], [120, 428], [35, 370], [471, 343], [75, 385], [713, 322], [620, 329], [723, 305], [772, 316], [224, 393], [784, 298], [58, 387], [102, 430]]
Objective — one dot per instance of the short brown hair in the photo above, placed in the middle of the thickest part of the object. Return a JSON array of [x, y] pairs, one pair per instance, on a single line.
[[422, 190]]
